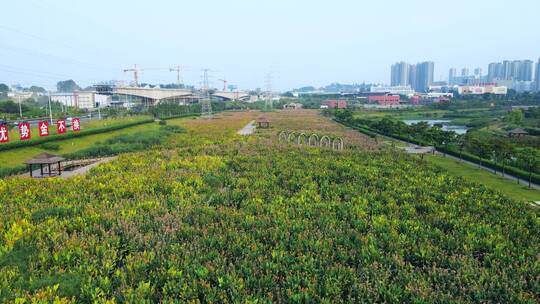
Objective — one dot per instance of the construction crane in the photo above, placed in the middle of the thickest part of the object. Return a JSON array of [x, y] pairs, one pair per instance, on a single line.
[[135, 71], [224, 84], [177, 69]]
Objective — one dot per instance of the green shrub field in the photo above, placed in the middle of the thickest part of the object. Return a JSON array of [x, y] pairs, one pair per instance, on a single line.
[[224, 218]]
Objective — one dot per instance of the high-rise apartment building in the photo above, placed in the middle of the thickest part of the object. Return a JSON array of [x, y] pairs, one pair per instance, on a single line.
[[412, 76], [495, 71], [400, 74], [526, 73], [418, 76], [506, 72], [478, 72], [452, 73], [537, 76], [424, 75], [465, 72], [517, 70]]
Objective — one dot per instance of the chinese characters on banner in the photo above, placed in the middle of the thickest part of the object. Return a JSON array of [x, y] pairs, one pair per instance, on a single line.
[[43, 127], [24, 131], [60, 126], [76, 124], [4, 135]]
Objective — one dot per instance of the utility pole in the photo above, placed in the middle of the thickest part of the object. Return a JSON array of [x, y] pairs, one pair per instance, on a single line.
[[206, 105], [20, 106], [50, 108]]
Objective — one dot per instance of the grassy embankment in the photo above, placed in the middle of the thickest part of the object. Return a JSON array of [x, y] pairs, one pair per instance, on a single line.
[[85, 125], [17, 157], [467, 171], [489, 179]]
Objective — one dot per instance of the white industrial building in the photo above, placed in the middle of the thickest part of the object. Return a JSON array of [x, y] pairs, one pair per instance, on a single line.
[[22, 95], [67, 99], [395, 90], [480, 90], [82, 100]]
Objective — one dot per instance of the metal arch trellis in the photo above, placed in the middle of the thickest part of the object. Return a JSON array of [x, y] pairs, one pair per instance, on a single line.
[[291, 137], [283, 135], [302, 139], [337, 144], [315, 141], [325, 142]]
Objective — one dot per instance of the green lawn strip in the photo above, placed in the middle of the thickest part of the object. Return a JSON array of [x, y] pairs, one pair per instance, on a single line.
[[496, 182], [17, 157], [36, 140], [85, 125]]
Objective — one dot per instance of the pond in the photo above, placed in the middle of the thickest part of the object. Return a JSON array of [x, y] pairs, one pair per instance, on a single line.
[[446, 124]]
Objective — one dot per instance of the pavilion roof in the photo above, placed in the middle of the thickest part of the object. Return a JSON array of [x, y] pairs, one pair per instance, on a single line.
[[44, 158], [518, 131]]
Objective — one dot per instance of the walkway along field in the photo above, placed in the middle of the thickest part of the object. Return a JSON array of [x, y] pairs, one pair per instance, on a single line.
[[507, 184], [248, 129]]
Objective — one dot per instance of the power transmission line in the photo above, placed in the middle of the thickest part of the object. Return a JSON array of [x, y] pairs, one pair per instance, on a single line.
[[61, 59]]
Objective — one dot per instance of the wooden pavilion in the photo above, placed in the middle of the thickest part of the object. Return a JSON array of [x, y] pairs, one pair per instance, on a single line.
[[518, 132], [263, 122], [48, 160]]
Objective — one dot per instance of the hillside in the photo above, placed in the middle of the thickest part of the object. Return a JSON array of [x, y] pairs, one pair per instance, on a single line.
[[211, 216]]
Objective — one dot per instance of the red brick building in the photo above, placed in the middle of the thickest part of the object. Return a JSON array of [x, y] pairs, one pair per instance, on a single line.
[[333, 104], [385, 100], [415, 100]]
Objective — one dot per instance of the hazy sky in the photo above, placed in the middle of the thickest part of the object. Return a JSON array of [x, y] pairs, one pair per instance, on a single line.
[[302, 42]]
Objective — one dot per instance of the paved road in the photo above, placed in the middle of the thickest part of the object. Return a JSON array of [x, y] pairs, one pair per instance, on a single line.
[[248, 129], [34, 122], [67, 174]]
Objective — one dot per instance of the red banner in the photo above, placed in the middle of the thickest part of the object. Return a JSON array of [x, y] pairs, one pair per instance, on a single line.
[[43, 127], [4, 134], [76, 124], [60, 126], [24, 131]]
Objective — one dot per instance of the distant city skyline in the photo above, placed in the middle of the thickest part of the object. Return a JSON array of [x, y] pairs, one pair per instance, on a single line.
[[300, 43]]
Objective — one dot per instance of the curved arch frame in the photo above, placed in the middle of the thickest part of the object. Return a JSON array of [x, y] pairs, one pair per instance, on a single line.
[[291, 138], [302, 139], [283, 135], [325, 142], [337, 144], [315, 141]]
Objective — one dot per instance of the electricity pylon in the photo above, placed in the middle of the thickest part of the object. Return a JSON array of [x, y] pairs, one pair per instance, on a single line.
[[268, 102], [206, 105]]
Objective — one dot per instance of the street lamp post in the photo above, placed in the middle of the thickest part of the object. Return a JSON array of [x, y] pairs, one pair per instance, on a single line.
[[50, 108], [20, 105]]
